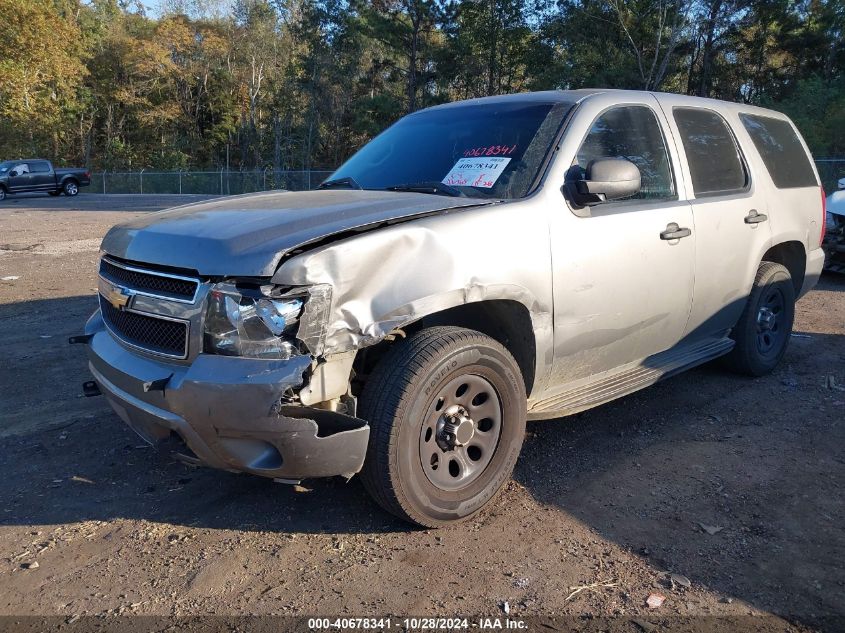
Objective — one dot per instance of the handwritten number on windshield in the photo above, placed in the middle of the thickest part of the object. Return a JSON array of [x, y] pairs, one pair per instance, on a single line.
[[490, 150]]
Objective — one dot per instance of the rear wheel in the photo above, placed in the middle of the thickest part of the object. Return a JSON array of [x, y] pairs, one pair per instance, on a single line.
[[71, 188], [762, 332], [2, 194], [447, 412]]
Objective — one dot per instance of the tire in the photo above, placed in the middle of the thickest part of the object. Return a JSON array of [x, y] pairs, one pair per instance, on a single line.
[[2, 194], [440, 372], [71, 188], [54, 193], [763, 331]]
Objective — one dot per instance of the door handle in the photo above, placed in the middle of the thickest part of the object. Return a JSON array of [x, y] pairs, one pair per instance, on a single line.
[[755, 218], [674, 232]]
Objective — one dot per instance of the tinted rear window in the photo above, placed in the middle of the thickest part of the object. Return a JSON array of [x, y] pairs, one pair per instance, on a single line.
[[782, 152], [39, 166], [715, 163]]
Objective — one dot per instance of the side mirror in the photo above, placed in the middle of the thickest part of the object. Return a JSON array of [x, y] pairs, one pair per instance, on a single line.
[[13, 173], [607, 179]]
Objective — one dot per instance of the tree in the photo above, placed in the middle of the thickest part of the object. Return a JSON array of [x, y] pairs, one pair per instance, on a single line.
[[301, 84], [653, 30], [405, 28], [41, 68]]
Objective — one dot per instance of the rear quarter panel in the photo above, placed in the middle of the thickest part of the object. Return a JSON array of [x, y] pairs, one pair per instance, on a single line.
[[795, 214], [79, 175]]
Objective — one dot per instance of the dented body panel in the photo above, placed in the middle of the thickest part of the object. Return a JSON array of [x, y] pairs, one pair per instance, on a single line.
[[390, 278], [249, 235], [229, 413]]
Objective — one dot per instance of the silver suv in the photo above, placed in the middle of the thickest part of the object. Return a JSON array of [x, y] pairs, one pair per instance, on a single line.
[[476, 265]]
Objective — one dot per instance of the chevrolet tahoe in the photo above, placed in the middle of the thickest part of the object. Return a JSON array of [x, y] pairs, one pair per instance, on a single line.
[[476, 265]]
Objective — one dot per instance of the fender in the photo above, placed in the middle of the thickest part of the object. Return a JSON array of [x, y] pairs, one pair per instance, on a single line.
[[389, 278]]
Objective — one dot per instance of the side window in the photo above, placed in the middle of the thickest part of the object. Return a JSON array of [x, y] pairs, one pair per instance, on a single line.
[[715, 162], [40, 167], [632, 133], [781, 151], [23, 168]]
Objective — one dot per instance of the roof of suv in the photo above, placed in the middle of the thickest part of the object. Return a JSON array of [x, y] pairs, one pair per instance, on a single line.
[[577, 96]]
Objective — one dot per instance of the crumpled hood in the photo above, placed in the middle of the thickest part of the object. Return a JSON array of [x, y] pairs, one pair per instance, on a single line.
[[248, 235]]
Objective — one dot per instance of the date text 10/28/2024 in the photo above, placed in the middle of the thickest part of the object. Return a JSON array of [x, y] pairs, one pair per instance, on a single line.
[[416, 624]]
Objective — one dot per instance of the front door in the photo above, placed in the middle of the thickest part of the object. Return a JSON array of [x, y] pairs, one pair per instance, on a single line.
[[622, 287], [21, 180]]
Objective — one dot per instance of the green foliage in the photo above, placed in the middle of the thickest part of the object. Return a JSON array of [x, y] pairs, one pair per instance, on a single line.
[[41, 66], [301, 84], [818, 109]]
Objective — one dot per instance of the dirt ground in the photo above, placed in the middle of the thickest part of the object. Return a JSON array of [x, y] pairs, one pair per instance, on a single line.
[[732, 484]]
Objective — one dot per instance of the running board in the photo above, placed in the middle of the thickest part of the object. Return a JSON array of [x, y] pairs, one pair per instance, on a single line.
[[595, 390]]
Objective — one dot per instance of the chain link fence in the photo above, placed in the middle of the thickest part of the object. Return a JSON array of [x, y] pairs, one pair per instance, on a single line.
[[205, 182], [830, 171], [235, 182]]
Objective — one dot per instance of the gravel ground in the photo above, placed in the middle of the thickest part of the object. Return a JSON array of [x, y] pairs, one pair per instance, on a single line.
[[732, 484]]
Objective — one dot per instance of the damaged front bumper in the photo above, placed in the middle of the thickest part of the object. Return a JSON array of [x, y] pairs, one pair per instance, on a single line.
[[227, 412]]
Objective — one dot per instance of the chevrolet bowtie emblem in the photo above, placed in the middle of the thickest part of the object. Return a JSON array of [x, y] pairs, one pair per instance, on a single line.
[[118, 297]]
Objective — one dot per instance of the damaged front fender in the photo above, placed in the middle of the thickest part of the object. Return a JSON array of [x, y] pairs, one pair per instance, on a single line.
[[386, 279]]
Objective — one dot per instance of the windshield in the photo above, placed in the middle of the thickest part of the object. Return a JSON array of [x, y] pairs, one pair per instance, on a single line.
[[493, 150], [6, 165]]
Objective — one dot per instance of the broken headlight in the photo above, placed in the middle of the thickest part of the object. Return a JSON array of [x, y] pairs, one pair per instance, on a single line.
[[265, 321]]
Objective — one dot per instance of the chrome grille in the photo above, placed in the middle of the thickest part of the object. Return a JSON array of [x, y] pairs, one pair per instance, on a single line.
[[149, 282], [154, 334]]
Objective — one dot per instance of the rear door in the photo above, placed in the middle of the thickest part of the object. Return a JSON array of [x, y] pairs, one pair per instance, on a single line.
[[795, 198], [42, 178], [730, 213], [621, 291]]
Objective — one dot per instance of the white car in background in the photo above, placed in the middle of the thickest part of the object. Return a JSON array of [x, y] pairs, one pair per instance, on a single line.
[[834, 241]]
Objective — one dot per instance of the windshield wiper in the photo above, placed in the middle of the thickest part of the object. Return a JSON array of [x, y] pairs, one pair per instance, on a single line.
[[437, 188], [347, 182]]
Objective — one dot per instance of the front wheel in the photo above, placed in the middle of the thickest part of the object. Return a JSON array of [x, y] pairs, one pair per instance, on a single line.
[[2, 194], [71, 188], [447, 413], [762, 332]]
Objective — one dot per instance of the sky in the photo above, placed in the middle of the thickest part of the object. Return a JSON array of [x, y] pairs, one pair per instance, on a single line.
[[193, 8]]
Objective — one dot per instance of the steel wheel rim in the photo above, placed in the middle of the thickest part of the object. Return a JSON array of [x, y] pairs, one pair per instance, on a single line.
[[477, 401], [770, 321], [71, 189]]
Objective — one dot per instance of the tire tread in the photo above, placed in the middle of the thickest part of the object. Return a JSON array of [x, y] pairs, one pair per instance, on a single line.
[[740, 359], [386, 398]]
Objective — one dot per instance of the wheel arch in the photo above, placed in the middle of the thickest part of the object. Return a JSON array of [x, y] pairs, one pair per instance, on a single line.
[[793, 256], [504, 320]]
